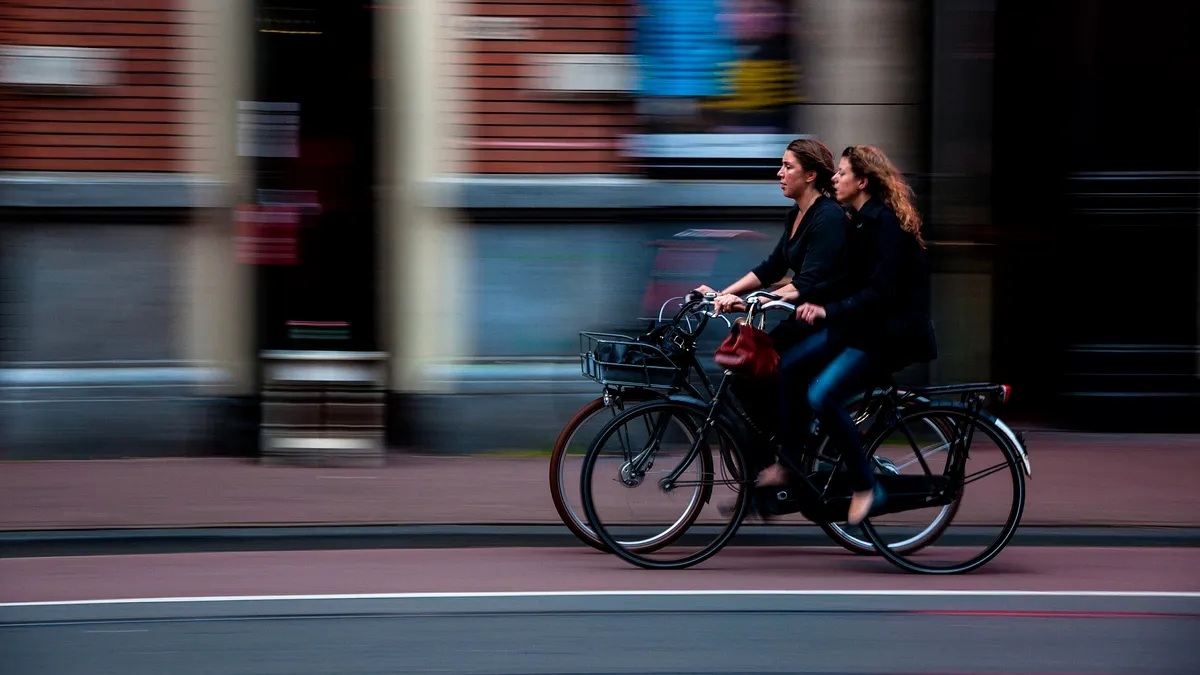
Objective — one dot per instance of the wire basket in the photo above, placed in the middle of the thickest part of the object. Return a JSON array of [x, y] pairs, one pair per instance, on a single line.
[[619, 360]]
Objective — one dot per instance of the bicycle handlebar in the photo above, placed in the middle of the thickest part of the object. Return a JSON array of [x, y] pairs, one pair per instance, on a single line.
[[703, 302], [691, 302]]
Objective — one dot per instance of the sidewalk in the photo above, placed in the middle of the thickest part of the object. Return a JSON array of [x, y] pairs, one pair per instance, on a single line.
[[1078, 480]]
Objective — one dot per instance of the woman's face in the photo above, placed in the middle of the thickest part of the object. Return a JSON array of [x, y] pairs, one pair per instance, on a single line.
[[792, 176], [846, 186]]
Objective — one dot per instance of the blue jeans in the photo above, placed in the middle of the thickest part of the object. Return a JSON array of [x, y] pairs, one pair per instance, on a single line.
[[817, 376]]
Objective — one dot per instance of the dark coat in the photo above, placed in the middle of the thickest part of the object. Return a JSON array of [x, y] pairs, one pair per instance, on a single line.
[[816, 254], [882, 304]]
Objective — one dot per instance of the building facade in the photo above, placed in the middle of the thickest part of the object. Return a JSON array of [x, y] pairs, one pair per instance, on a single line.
[[194, 192], [122, 320]]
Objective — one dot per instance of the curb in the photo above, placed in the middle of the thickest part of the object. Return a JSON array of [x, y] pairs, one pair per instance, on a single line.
[[24, 544]]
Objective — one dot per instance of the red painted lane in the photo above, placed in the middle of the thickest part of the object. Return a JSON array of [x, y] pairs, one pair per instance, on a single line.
[[1052, 614], [574, 569], [1078, 479]]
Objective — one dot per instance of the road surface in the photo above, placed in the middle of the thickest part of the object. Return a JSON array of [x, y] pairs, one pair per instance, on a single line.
[[1033, 611]]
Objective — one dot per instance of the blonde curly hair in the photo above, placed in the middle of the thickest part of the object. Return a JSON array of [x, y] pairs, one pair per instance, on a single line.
[[886, 182]]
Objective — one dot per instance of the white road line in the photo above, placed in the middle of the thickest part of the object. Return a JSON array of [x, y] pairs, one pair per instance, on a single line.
[[652, 593]]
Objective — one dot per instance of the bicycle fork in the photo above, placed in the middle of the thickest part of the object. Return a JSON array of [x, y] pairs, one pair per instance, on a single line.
[[634, 469], [667, 483]]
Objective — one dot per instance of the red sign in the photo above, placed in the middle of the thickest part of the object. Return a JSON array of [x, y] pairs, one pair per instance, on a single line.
[[266, 235]]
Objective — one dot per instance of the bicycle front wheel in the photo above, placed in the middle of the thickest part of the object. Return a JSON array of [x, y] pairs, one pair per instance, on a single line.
[[654, 463]]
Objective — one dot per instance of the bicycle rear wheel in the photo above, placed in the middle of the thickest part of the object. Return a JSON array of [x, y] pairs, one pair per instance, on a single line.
[[569, 450], [637, 449], [886, 463], [991, 517]]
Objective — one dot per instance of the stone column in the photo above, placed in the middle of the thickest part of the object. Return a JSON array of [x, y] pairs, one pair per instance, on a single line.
[[424, 250], [958, 204], [862, 75], [865, 80], [218, 298]]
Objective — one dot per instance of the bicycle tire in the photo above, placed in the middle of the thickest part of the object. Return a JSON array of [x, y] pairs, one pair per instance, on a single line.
[[859, 547], [558, 456], [688, 411], [987, 423], [584, 533]]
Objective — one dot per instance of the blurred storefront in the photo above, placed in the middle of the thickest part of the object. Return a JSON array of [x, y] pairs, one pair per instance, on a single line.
[[595, 132], [624, 123], [123, 317], [239, 193]]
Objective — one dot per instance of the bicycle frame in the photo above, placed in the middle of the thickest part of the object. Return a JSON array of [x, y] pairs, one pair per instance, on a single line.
[[973, 396]]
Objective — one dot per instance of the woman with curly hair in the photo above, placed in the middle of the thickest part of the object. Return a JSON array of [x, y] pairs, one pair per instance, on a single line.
[[872, 323]]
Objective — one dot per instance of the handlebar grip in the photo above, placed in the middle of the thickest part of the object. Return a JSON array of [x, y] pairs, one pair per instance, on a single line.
[[763, 294]]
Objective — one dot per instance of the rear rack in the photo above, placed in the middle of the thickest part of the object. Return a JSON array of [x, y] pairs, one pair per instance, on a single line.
[[966, 390]]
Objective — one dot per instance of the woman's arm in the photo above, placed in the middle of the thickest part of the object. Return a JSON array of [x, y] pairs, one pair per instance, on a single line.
[[748, 283], [767, 272], [771, 270]]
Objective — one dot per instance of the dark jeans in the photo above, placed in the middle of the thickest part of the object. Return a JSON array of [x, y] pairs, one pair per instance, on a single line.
[[760, 398], [817, 376]]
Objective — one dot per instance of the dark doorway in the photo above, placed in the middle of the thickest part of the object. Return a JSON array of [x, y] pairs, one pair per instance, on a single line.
[[1097, 178], [314, 144]]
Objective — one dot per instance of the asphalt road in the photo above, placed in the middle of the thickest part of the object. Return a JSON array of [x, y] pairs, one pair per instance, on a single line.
[[960, 634], [1032, 611]]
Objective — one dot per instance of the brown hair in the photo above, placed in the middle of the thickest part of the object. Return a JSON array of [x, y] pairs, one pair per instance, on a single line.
[[885, 181], [815, 156]]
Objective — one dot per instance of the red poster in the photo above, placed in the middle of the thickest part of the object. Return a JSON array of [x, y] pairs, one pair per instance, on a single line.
[[266, 235]]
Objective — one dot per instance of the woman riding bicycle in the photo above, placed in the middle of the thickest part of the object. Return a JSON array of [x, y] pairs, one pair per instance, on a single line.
[[812, 245], [813, 241], [873, 322]]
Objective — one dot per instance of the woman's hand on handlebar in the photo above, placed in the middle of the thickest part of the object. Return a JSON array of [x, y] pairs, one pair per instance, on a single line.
[[809, 312], [728, 303]]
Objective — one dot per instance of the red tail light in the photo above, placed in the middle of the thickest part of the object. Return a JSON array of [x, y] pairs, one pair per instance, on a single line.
[[1007, 391]]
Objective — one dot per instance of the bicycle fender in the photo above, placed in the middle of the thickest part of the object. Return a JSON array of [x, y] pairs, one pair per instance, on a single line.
[[1018, 442]]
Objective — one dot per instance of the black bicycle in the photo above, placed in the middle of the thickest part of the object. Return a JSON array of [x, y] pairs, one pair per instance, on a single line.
[[653, 366], [720, 447]]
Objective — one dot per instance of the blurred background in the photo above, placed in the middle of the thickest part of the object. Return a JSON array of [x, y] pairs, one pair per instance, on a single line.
[[264, 227]]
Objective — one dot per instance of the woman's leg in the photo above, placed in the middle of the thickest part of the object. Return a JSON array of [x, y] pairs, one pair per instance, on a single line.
[[760, 398], [797, 365], [849, 372]]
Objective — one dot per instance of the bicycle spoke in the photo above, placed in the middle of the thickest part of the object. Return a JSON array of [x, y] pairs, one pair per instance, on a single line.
[[984, 473], [912, 442], [655, 511], [923, 453], [991, 514]]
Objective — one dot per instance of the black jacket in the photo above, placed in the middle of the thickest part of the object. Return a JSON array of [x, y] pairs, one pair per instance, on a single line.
[[816, 254], [882, 306]]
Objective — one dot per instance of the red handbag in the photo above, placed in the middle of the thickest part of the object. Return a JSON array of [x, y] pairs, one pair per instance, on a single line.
[[748, 352]]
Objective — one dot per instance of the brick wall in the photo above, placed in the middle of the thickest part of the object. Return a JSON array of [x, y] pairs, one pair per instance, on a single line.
[[138, 125], [511, 128]]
